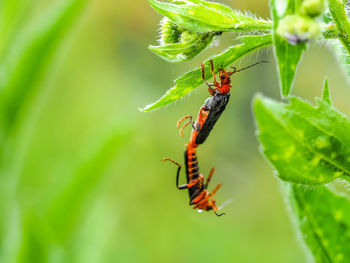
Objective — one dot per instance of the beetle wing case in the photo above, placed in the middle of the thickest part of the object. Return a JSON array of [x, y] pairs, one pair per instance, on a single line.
[[216, 106]]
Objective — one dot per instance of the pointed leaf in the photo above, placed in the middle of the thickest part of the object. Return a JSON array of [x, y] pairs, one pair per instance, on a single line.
[[193, 79], [326, 96], [288, 55], [305, 144], [323, 218], [202, 16]]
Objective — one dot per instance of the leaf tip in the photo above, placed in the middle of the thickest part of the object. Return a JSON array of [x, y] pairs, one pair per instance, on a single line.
[[257, 101], [146, 108], [326, 96]]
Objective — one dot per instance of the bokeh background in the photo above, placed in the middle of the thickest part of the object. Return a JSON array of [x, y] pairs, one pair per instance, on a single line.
[[81, 172]]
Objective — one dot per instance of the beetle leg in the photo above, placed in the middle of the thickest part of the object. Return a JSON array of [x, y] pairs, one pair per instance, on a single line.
[[211, 90], [209, 178], [188, 122], [206, 199], [199, 198], [178, 172]]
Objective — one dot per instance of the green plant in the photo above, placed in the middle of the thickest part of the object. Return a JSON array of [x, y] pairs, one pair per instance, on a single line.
[[39, 222], [307, 146]]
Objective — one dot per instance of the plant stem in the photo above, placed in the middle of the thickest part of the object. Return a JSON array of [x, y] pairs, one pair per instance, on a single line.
[[337, 9]]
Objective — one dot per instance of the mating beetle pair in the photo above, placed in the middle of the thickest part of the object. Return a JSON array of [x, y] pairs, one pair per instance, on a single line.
[[208, 115]]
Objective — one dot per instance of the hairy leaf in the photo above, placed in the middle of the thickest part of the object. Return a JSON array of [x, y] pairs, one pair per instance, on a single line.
[[323, 218], [288, 55], [305, 144], [202, 16], [193, 79]]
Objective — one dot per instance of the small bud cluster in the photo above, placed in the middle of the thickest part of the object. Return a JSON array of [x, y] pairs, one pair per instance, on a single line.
[[169, 32], [312, 8], [302, 26], [179, 44]]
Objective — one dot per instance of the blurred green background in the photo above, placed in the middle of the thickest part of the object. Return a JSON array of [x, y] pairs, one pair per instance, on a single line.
[[81, 172]]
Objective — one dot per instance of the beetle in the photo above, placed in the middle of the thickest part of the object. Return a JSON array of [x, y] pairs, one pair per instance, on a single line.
[[214, 106], [197, 189], [200, 197], [208, 115]]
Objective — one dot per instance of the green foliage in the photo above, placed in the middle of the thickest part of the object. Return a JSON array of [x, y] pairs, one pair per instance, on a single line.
[[34, 51], [193, 79], [326, 96], [341, 20], [31, 230], [288, 55], [323, 218], [305, 144], [202, 16]]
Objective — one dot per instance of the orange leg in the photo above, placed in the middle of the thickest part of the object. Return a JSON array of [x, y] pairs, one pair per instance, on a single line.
[[178, 124], [212, 71], [209, 177], [206, 199], [181, 131], [215, 190], [171, 160], [182, 119], [211, 90], [189, 185], [199, 198]]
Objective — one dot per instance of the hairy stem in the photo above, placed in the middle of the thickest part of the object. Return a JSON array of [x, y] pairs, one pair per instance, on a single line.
[[337, 9]]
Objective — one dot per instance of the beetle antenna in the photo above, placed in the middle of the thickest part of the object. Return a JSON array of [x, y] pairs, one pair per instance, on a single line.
[[262, 61], [219, 214]]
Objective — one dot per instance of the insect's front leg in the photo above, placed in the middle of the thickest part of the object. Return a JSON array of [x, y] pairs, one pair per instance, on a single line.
[[210, 89], [188, 122], [216, 84]]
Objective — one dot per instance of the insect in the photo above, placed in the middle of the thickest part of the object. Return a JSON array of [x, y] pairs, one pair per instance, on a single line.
[[208, 115], [197, 189], [214, 106]]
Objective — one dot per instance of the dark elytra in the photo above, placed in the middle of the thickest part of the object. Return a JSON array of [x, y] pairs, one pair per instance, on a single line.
[[216, 105]]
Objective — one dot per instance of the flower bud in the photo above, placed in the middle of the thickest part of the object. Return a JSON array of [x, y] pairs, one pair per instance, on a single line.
[[312, 8], [178, 44], [296, 29], [169, 32]]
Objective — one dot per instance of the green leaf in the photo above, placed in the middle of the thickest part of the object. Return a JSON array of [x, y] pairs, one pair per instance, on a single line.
[[288, 56], [33, 56], [64, 213], [202, 16], [11, 22], [323, 218], [305, 144], [326, 96], [191, 80]]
